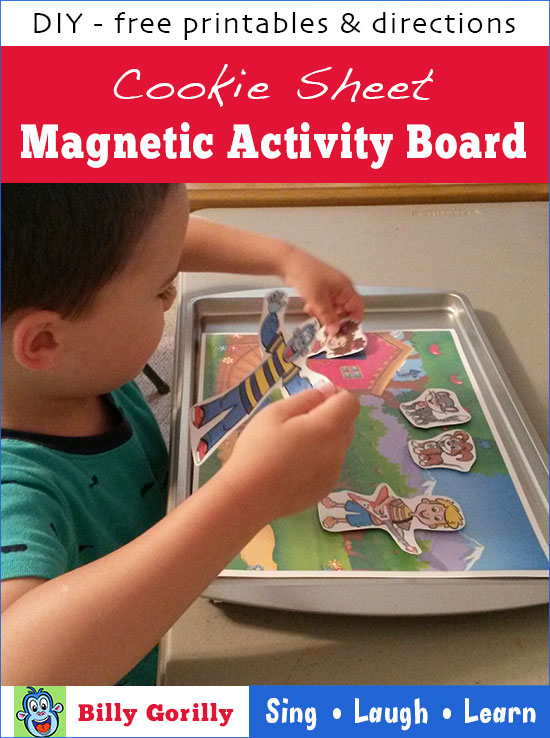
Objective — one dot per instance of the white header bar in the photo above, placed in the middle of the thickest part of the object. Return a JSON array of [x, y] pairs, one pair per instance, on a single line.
[[281, 23]]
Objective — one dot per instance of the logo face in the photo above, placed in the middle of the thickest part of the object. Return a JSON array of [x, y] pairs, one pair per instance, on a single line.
[[38, 711]]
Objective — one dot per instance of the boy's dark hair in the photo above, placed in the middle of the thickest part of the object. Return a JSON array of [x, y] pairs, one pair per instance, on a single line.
[[62, 242]]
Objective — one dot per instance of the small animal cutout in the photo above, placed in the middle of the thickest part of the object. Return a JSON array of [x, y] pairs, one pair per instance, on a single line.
[[435, 407], [350, 339], [284, 365], [346, 510], [450, 450]]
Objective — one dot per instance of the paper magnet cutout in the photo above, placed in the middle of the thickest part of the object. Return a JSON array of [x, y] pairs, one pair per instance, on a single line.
[[308, 377], [450, 450], [346, 510], [435, 407], [350, 339], [284, 366]]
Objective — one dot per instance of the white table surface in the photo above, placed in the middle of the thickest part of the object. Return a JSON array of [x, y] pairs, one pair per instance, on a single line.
[[497, 254]]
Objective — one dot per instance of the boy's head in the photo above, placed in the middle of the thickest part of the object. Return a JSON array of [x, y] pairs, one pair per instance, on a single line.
[[86, 277], [62, 242]]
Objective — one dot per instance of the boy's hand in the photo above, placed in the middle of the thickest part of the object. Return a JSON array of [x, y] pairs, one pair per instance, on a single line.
[[291, 454], [330, 296]]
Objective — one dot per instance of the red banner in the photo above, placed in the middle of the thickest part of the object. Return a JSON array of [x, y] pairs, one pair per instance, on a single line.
[[250, 114]]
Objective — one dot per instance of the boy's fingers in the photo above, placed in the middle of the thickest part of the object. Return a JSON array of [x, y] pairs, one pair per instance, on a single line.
[[299, 404], [327, 388], [330, 313], [332, 329], [357, 314], [326, 315], [323, 307], [338, 411], [354, 307], [351, 303], [329, 318]]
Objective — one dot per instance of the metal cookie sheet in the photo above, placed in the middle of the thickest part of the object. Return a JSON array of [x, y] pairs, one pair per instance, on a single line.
[[372, 592]]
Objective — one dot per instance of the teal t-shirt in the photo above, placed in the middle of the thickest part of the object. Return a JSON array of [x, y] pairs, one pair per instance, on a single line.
[[67, 501]]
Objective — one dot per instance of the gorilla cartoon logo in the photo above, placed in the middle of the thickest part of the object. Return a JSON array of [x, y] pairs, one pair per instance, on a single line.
[[39, 712]]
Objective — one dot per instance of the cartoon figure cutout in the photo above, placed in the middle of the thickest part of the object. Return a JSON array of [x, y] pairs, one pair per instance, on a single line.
[[284, 366], [350, 339], [449, 450], [346, 510], [435, 407], [39, 713]]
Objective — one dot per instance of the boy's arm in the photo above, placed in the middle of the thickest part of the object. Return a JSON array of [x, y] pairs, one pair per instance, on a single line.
[[214, 247], [104, 617]]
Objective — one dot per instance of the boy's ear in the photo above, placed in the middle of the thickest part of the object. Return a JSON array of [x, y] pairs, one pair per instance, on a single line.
[[36, 340]]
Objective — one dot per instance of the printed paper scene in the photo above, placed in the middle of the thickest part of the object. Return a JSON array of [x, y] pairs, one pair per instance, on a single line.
[[393, 369]]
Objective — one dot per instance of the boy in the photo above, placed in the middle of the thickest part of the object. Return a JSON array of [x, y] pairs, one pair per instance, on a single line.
[[93, 575]]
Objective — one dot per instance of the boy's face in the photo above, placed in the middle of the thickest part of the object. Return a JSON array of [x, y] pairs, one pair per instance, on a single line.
[[111, 344]]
